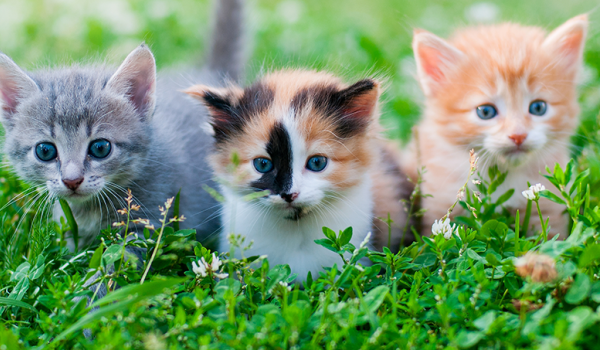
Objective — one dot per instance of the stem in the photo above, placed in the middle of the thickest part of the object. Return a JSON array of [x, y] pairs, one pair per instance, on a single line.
[[526, 219], [389, 223], [176, 211], [344, 259], [544, 233], [124, 241], [162, 229], [517, 223], [96, 291]]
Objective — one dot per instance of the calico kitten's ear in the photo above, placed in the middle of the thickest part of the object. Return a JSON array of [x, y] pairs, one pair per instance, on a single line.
[[224, 119], [435, 58], [353, 108], [359, 100], [14, 86], [567, 41], [136, 79]]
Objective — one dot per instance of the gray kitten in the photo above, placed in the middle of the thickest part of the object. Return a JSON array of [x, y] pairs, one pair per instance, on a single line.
[[86, 134]]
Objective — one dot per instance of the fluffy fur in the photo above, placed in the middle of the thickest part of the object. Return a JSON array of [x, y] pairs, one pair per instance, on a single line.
[[289, 117], [507, 66], [155, 148]]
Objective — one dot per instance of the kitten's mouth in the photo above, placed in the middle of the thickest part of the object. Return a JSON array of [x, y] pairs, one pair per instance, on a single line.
[[516, 152], [516, 155], [295, 213], [76, 196]]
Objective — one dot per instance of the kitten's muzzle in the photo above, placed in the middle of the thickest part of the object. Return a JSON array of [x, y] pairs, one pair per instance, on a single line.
[[518, 139], [73, 184], [289, 197]]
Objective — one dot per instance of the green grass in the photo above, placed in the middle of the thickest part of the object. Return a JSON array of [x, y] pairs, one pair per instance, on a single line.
[[437, 293]]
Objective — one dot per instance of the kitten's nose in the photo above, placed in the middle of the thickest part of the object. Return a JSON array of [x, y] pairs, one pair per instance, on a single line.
[[72, 184], [518, 138], [289, 197]]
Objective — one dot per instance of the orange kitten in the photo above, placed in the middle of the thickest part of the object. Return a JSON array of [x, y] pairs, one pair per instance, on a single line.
[[313, 143], [509, 92]]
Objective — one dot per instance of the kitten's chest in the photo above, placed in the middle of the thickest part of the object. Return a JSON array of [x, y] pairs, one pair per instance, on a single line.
[[292, 242], [517, 181]]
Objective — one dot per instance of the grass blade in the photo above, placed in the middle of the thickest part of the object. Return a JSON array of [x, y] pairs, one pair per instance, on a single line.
[[71, 220], [129, 295], [13, 302]]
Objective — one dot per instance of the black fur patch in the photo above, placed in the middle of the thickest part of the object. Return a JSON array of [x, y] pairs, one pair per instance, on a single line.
[[278, 180], [337, 105], [229, 116]]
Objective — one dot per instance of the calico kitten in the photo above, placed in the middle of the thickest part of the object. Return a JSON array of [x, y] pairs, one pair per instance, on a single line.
[[86, 134], [313, 143], [509, 92]]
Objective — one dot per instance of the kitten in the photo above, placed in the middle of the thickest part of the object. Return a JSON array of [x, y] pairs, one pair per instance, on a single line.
[[509, 92], [313, 143], [86, 134]]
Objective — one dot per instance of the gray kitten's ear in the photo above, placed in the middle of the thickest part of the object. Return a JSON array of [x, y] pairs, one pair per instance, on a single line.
[[136, 79], [14, 86]]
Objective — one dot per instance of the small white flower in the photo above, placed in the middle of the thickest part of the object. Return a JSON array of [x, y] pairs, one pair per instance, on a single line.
[[216, 263], [365, 241], [200, 268], [221, 275], [285, 285], [537, 188], [461, 194], [533, 193], [443, 228], [528, 194]]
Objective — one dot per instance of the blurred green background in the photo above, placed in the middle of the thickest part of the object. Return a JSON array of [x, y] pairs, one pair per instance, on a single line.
[[348, 37]]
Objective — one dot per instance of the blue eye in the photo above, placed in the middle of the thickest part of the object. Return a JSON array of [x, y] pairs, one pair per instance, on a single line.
[[46, 151], [316, 163], [263, 165], [486, 112], [99, 149], [538, 108]]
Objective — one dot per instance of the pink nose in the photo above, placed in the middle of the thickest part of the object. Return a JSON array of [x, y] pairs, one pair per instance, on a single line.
[[289, 197], [518, 138], [73, 184]]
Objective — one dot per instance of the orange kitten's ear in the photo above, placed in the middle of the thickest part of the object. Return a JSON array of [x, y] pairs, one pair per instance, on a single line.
[[435, 57], [567, 41]]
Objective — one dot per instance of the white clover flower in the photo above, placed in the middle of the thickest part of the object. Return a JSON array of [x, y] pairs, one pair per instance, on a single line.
[[216, 263], [528, 194], [533, 193], [365, 241], [221, 275], [537, 188], [444, 228], [200, 268], [285, 285]]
